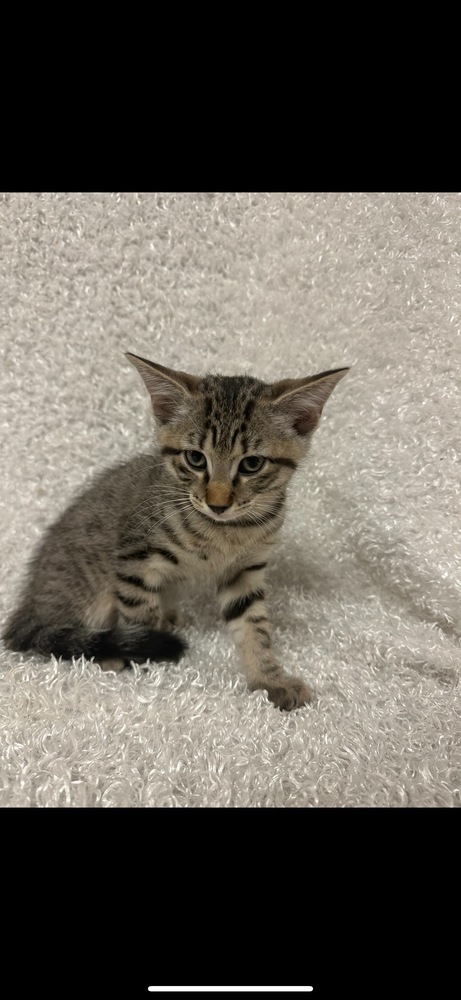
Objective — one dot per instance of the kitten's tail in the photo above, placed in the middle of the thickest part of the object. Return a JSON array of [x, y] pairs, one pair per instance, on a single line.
[[137, 642]]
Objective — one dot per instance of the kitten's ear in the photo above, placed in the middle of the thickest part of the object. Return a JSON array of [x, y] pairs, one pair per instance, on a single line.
[[299, 402], [168, 389]]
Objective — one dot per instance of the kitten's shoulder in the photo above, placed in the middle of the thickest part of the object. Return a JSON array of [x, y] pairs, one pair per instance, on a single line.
[[132, 474], [111, 488]]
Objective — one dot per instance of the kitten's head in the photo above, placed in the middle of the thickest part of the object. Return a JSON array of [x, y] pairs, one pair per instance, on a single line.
[[233, 442]]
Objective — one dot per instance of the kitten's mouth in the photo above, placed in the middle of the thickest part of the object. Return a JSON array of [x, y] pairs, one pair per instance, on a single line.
[[225, 517], [222, 518]]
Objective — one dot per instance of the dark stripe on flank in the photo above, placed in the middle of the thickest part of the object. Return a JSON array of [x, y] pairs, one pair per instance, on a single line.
[[130, 602], [166, 554], [233, 580], [143, 553], [148, 551], [255, 566], [238, 607], [136, 581]]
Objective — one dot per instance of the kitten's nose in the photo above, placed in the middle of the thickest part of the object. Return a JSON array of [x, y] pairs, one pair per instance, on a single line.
[[217, 510]]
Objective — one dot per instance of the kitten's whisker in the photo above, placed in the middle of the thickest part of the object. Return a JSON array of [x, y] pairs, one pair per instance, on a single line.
[[150, 516], [150, 504], [156, 524]]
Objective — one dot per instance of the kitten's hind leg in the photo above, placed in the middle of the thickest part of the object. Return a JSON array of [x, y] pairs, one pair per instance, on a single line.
[[141, 629]]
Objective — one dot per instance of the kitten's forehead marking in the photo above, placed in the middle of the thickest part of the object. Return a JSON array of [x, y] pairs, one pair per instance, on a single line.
[[229, 402]]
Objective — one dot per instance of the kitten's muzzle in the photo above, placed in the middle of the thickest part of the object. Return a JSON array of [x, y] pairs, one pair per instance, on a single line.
[[218, 510], [219, 496]]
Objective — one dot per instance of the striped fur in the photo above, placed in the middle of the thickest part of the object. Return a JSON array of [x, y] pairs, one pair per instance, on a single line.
[[211, 495]]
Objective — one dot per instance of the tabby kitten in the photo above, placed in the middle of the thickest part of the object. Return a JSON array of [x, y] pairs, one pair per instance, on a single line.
[[210, 500]]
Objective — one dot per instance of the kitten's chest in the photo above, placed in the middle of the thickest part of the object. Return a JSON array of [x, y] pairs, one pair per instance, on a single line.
[[203, 565], [207, 560], [210, 557]]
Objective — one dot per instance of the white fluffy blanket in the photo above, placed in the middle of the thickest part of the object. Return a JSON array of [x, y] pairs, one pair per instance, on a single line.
[[365, 589]]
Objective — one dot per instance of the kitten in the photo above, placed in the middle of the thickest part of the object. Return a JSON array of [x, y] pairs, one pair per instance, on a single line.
[[210, 500]]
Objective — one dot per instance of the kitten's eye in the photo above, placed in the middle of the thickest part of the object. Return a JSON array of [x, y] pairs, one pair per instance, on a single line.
[[252, 463], [196, 459]]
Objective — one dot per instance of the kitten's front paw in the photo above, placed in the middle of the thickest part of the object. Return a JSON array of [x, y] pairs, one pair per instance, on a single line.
[[289, 693]]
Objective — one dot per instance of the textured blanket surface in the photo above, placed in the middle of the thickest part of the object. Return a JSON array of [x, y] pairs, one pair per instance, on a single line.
[[366, 582]]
